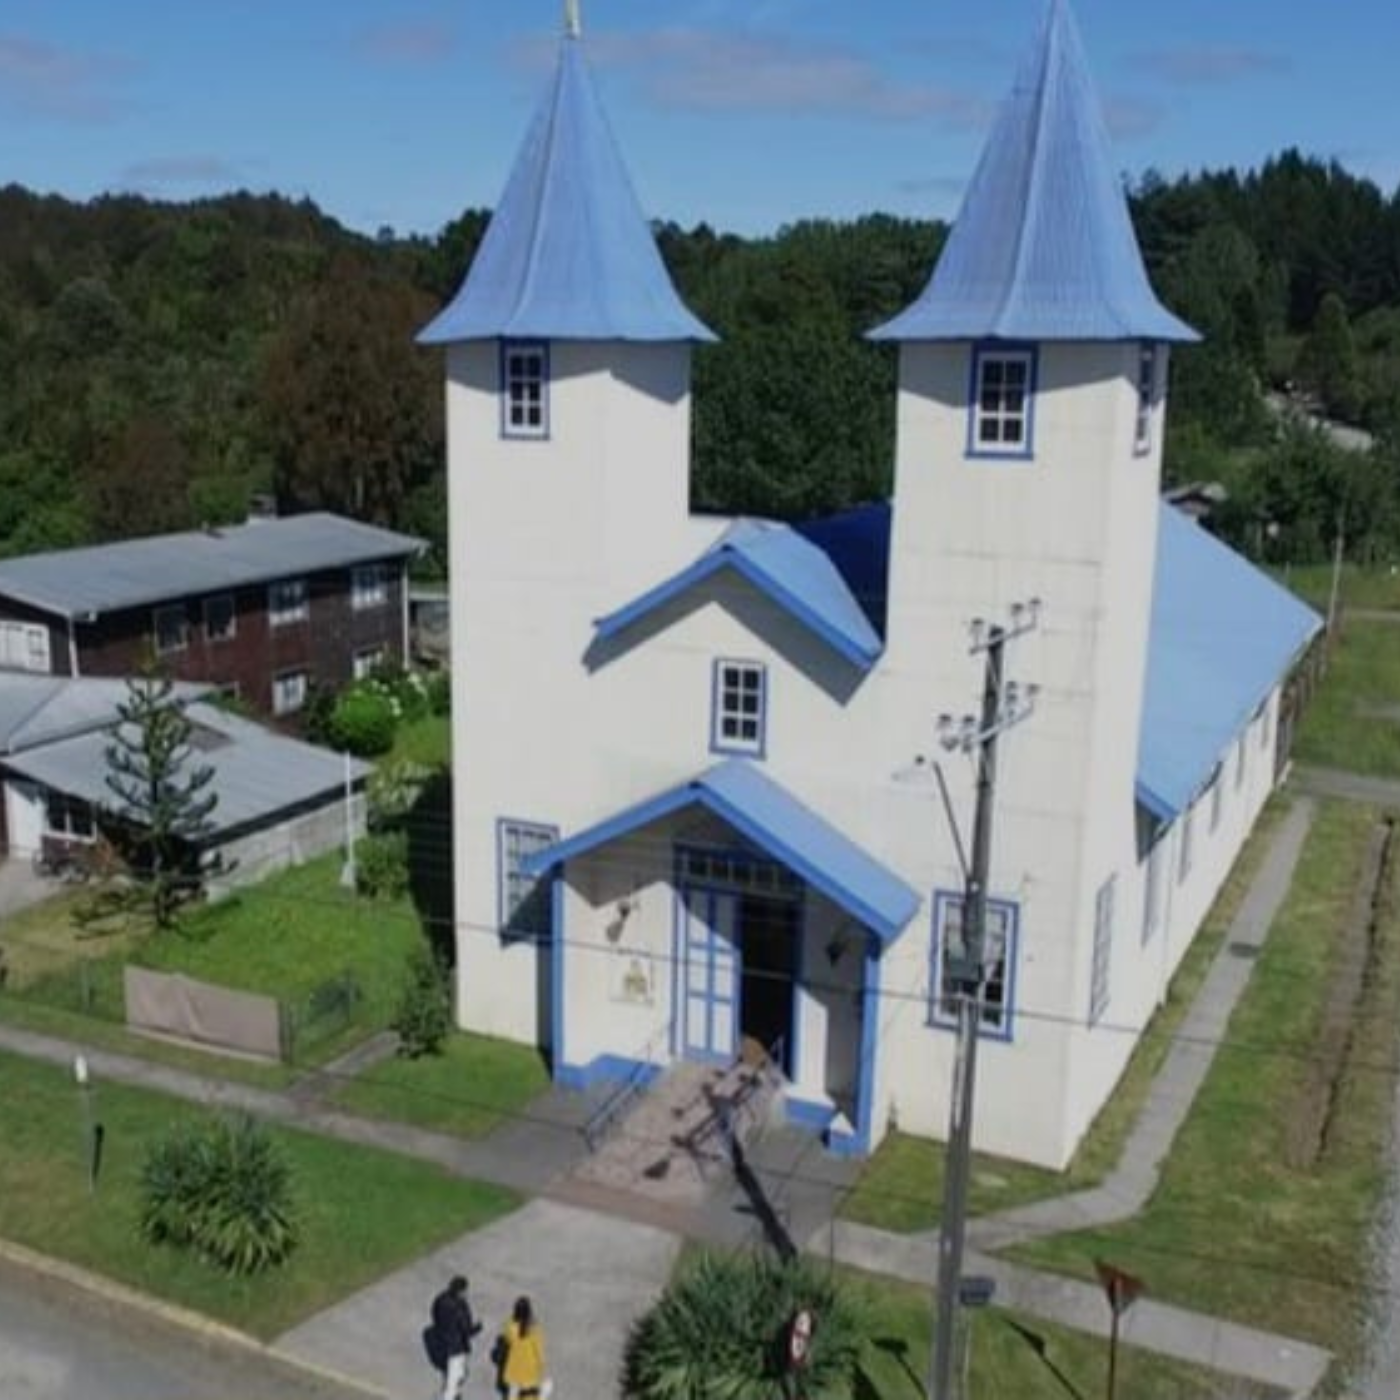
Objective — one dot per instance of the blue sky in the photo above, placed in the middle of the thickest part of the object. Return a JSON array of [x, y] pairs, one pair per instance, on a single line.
[[745, 113]]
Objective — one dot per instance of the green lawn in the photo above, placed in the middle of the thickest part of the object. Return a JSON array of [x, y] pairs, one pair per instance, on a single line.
[[1344, 725], [1018, 1358], [363, 1212], [283, 937], [467, 1090], [902, 1187], [1360, 587], [1233, 1229]]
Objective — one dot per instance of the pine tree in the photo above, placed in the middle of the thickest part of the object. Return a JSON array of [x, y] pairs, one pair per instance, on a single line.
[[162, 797]]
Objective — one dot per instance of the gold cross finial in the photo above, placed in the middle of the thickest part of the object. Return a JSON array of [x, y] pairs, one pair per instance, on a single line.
[[573, 21]]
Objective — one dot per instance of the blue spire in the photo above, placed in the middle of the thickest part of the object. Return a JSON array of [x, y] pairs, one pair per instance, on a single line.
[[568, 254], [1043, 248]]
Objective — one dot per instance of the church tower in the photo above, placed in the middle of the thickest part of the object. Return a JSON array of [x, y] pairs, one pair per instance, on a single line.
[[1032, 374], [568, 458]]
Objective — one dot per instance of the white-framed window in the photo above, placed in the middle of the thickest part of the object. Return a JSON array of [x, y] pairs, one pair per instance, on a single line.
[[524, 900], [739, 708], [220, 618], [1241, 761], [288, 601], [525, 389], [1152, 890], [24, 646], [999, 940], [68, 817], [172, 629], [367, 661], [369, 586], [1217, 797], [1184, 855], [1003, 400], [1146, 398], [289, 692], [1101, 972]]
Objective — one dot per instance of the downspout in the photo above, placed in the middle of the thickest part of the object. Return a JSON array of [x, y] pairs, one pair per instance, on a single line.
[[73, 668]]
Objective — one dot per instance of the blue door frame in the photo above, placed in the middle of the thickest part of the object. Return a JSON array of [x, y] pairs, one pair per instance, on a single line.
[[709, 975]]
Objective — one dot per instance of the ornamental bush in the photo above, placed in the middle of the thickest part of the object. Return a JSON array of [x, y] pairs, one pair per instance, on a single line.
[[720, 1331], [424, 1016], [363, 721], [381, 865], [220, 1189]]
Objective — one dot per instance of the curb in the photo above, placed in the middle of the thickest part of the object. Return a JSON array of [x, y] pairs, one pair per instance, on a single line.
[[207, 1329]]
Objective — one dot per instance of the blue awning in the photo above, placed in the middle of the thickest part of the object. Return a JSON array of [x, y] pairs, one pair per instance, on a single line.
[[774, 820]]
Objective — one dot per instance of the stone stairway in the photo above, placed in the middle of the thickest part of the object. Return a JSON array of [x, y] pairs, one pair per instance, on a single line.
[[678, 1139]]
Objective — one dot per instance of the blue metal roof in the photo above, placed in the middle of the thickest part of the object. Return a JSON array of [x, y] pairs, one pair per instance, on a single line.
[[774, 820], [1043, 248], [791, 570], [1223, 635], [568, 254]]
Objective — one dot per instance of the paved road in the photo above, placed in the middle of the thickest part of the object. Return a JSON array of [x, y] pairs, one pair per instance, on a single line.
[[57, 1343]]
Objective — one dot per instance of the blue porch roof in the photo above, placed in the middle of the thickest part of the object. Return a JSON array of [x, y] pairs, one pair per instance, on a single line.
[[1223, 635], [774, 820], [569, 254], [790, 569], [1043, 248]]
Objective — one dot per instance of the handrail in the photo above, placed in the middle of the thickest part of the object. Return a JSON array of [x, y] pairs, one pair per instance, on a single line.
[[605, 1116]]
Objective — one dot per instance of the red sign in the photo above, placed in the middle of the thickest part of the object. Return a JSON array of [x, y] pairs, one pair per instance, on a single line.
[[800, 1339], [1123, 1289]]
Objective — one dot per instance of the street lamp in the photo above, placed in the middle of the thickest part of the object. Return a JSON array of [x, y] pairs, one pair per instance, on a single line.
[[83, 1080]]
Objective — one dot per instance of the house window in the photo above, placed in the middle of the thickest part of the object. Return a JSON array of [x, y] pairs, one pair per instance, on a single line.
[[1264, 725], [369, 586], [1216, 798], [524, 899], [1184, 864], [1100, 974], [1151, 891], [288, 692], [288, 601], [1241, 749], [999, 959], [367, 662], [1003, 390], [525, 381], [24, 645], [220, 620], [739, 710], [1146, 397], [172, 630], [68, 817]]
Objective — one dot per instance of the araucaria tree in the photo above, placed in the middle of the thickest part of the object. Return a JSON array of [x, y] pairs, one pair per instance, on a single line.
[[163, 800]]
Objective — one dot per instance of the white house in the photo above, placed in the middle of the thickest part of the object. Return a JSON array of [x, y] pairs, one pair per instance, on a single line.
[[681, 743]]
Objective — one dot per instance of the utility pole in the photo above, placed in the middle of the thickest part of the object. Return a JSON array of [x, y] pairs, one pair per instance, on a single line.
[[1004, 704]]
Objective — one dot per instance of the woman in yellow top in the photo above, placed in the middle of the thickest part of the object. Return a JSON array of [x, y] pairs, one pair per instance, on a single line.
[[523, 1369]]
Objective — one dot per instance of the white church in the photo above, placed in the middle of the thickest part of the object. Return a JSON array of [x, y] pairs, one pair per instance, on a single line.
[[689, 820]]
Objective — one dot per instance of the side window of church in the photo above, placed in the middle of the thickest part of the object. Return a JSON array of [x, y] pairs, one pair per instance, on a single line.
[[999, 953], [525, 389], [738, 723], [525, 910], [1101, 972], [1146, 398], [1003, 397]]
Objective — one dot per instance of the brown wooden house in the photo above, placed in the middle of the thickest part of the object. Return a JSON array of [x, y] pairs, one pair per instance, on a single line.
[[266, 610]]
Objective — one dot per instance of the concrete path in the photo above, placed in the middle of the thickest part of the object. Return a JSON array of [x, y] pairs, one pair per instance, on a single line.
[[1348, 787], [1129, 1186], [1294, 1367], [588, 1275]]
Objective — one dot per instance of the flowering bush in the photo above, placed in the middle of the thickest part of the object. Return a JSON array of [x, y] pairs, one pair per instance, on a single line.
[[363, 721]]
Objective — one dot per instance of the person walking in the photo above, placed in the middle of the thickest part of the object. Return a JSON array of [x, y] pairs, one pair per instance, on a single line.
[[453, 1328], [523, 1371]]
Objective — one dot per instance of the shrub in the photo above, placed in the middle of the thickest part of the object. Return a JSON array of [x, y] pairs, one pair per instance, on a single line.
[[363, 721], [440, 693], [316, 714], [220, 1189], [720, 1332], [381, 865], [394, 789], [424, 1017]]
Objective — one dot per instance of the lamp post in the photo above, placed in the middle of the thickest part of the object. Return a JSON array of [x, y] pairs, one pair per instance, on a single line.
[[83, 1079]]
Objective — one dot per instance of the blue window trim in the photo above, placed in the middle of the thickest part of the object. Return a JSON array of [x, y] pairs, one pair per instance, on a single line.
[[504, 824], [942, 899], [1145, 413], [523, 434], [1000, 349], [717, 742]]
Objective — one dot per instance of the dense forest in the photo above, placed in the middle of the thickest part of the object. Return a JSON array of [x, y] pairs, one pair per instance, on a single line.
[[162, 363]]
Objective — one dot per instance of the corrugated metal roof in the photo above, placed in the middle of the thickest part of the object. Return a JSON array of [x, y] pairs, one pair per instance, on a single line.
[[257, 773], [107, 577], [569, 254], [40, 709], [1043, 248], [774, 820], [1223, 636], [791, 570]]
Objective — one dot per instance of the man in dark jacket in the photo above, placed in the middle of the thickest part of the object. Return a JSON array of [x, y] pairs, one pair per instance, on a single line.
[[453, 1330]]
